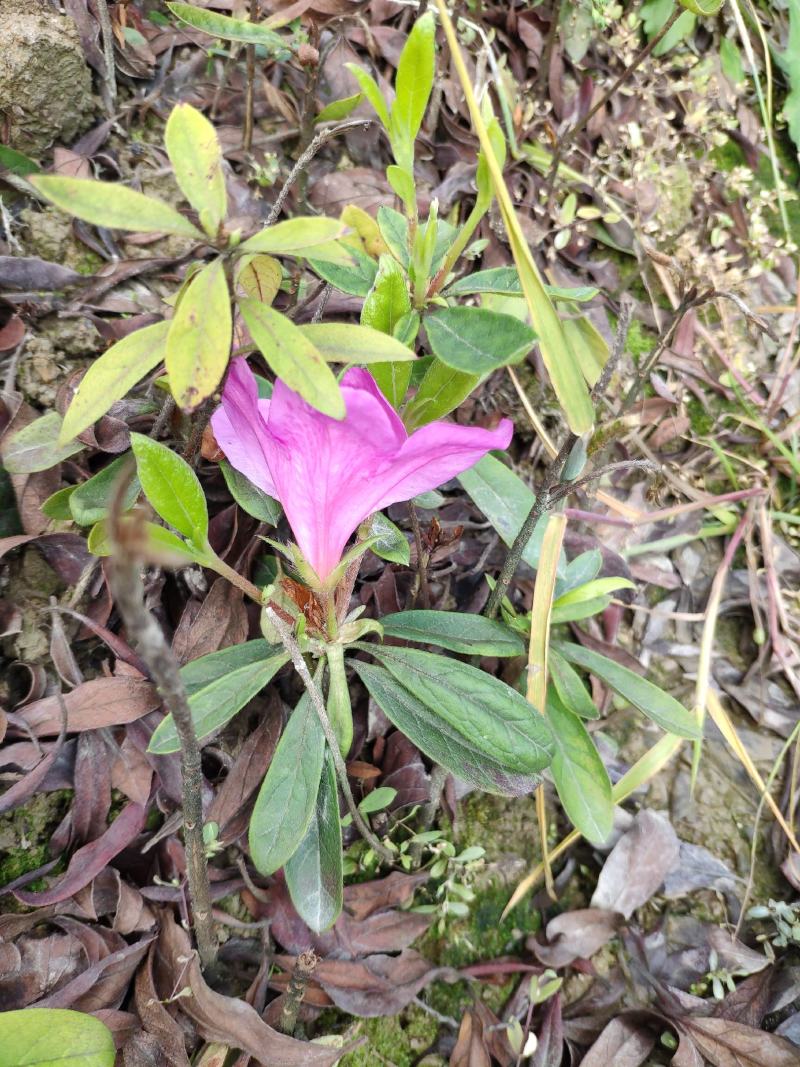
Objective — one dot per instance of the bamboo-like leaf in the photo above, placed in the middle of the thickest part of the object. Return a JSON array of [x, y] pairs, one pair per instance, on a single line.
[[295, 237], [562, 366], [344, 342], [229, 29]]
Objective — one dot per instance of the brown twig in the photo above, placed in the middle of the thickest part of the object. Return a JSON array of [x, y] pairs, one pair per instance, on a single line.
[[301, 972], [423, 557], [290, 644], [148, 639], [107, 34]]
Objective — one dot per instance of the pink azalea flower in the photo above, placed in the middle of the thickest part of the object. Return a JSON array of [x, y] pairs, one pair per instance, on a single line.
[[330, 475]]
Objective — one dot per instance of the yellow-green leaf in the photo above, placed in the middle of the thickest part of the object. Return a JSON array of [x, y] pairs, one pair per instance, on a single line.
[[559, 359], [342, 342], [199, 338], [196, 158], [293, 357], [295, 237], [112, 375], [229, 29], [259, 276], [112, 205]]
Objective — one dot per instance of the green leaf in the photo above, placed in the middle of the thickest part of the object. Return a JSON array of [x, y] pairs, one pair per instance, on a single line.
[[584, 568], [90, 501], [589, 346], [441, 391], [287, 799], [171, 486], [505, 500], [258, 276], [596, 587], [294, 237], [156, 544], [113, 375], [402, 183], [389, 299], [16, 163], [440, 741], [112, 205], [293, 357], [57, 505], [493, 716], [38, 446], [355, 277], [199, 673], [706, 8], [391, 544], [377, 800], [54, 1037], [369, 87], [456, 631], [657, 705], [215, 703], [571, 690], [414, 82], [582, 609], [394, 231], [393, 380], [249, 497], [314, 874], [342, 342], [655, 13], [337, 110], [477, 341], [229, 29], [199, 338], [504, 281], [196, 157], [581, 779]]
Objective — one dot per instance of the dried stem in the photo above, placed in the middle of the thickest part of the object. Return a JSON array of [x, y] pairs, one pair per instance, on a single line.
[[107, 33], [422, 558], [319, 140], [148, 639], [303, 969], [292, 647]]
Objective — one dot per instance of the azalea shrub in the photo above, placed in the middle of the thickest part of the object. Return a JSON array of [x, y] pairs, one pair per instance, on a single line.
[[317, 429]]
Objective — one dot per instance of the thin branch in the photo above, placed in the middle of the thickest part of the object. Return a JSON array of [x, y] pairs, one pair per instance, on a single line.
[[292, 647], [318, 142], [250, 53], [148, 639], [422, 558], [107, 33], [304, 967]]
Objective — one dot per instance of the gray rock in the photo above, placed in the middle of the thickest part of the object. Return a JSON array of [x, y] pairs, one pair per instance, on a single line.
[[45, 84]]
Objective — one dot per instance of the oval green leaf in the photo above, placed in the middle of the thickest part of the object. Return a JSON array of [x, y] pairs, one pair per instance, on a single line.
[[113, 375], [196, 158], [293, 357], [391, 543], [214, 704], [472, 635], [54, 1037], [581, 778], [249, 497], [477, 341], [111, 205], [171, 486], [440, 741], [287, 799], [657, 705], [441, 390], [490, 714], [314, 874], [90, 501], [571, 690]]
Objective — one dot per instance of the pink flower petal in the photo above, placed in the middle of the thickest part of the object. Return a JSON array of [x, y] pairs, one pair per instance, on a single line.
[[240, 427]]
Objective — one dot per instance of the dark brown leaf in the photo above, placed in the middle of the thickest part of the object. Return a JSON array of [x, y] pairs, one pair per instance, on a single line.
[[575, 935], [470, 1050], [30, 272], [625, 1042], [725, 1043], [96, 703], [637, 865]]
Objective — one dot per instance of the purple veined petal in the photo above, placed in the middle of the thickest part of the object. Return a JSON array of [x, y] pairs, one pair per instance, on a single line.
[[240, 427], [436, 453]]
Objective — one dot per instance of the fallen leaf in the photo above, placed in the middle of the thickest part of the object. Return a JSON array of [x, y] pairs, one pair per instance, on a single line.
[[725, 1043], [625, 1042], [94, 704], [637, 865], [575, 935]]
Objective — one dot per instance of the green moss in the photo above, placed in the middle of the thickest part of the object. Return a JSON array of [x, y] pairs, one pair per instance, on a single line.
[[25, 834], [399, 1040], [641, 341], [728, 156], [701, 419]]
